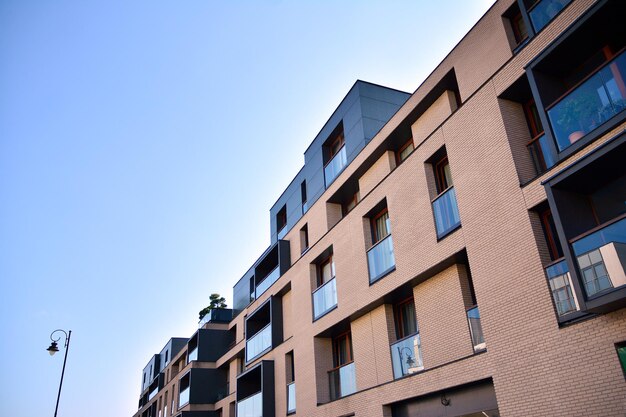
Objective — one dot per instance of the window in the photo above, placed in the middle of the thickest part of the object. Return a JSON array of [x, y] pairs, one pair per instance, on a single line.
[[291, 385], [519, 28], [561, 288], [305, 205], [281, 218], [304, 239], [549, 230], [348, 205], [518, 33], [621, 355], [334, 153], [404, 318], [336, 145], [381, 226], [443, 175], [325, 271], [380, 256], [342, 350], [445, 209], [594, 273], [404, 151]]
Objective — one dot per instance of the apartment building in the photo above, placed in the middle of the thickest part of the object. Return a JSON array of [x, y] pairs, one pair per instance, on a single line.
[[458, 251]]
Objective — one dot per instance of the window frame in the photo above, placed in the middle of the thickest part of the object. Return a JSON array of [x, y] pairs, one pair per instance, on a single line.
[[347, 336], [399, 158], [320, 268], [440, 175], [373, 221], [398, 318]]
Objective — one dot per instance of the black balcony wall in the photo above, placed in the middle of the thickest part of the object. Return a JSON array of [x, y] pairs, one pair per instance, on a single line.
[[212, 343], [206, 385]]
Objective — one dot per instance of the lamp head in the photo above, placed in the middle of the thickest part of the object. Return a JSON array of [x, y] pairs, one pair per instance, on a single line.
[[53, 348]]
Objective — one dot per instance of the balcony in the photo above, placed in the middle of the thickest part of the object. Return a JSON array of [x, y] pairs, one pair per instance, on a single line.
[[342, 381], [561, 287], [476, 329], [406, 356], [259, 343], [291, 398], [380, 259], [324, 299], [446, 212], [251, 406], [601, 257], [539, 150], [591, 103], [543, 11], [183, 397], [335, 166], [267, 282], [153, 393]]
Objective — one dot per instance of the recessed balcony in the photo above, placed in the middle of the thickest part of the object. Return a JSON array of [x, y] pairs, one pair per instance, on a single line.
[[591, 103]]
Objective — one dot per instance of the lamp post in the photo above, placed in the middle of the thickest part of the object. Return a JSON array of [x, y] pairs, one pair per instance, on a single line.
[[54, 348]]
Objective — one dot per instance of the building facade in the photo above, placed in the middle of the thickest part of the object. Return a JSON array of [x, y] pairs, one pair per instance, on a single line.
[[458, 251]]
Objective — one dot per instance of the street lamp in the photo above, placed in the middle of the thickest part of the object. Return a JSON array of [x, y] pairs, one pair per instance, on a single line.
[[54, 348]]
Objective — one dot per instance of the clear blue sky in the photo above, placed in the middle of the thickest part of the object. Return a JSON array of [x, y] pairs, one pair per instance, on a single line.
[[142, 144]]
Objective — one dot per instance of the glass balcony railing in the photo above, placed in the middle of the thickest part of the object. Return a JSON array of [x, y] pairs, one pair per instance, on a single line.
[[476, 329], [291, 397], [406, 356], [590, 104], [342, 381], [183, 397], [335, 166], [258, 343], [192, 355], [561, 288], [251, 406], [542, 12], [540, 153], [267, 282], [380, 259], [446, 212], [324, 298], [153, 393], [601, 257]]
